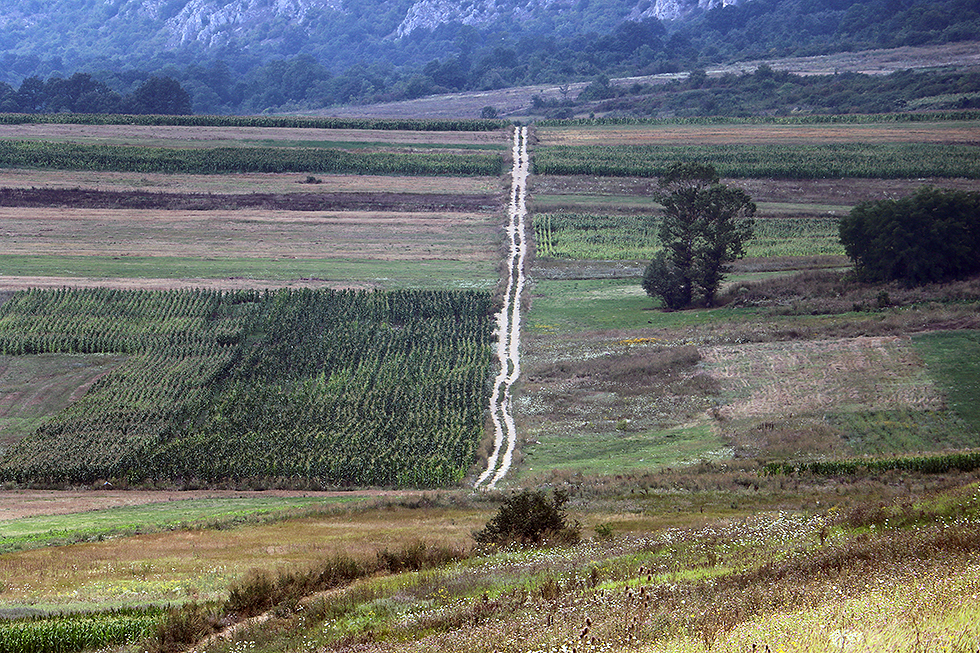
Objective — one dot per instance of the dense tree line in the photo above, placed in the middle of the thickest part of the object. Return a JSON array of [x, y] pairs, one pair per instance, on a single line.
[[928, 237], [82, 93], [768, 91]]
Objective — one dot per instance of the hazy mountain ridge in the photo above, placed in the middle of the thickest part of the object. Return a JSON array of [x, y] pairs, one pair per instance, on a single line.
[[429, 14], [292, 55], [215, 23]]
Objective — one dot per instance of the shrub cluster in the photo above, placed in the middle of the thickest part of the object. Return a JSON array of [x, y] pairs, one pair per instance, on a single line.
[[530, 517], [931, 236]]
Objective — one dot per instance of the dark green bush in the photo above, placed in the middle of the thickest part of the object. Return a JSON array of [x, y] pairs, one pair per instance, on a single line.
[[931, 236], [530, 517]]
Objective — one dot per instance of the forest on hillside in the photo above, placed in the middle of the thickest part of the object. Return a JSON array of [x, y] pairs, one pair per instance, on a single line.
[[317, 67]]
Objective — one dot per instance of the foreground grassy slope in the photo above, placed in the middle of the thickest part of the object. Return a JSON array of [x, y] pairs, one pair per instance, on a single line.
[[714, 557], [783, 581]]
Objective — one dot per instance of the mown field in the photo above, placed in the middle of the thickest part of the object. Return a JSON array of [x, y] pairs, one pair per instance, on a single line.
[[793, 470], [251, 203]]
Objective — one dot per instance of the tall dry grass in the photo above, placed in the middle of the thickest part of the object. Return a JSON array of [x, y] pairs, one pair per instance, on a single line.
[[847, 580]]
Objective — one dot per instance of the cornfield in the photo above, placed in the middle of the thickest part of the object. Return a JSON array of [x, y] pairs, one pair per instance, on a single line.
[[73, 156], [322, 388], [634, 237], [815, 161], [966, 461], [406, 124], [65, 634]]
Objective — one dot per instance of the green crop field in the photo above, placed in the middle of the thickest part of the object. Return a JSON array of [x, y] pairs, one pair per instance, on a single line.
[[954, 357], [396, 274], [796, 161], [634, 237], [77, 632], [222, 160], [302, 385], [214, 512]]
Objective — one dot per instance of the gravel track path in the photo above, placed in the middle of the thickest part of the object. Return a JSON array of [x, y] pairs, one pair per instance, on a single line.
[[509, 323]]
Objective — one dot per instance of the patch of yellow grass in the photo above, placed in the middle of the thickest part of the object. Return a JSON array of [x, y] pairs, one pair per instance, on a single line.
[[935, 611], [200, 564]]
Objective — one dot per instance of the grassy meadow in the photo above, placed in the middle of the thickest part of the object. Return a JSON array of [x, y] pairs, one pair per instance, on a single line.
[[683, 438]]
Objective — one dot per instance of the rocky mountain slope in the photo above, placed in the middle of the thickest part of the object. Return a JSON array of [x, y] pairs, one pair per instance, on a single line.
[[293, 55], [123, 28]]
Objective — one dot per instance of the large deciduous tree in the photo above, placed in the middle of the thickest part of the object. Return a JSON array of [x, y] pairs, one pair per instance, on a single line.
[[704, 228], [930, 236], [161, 95]]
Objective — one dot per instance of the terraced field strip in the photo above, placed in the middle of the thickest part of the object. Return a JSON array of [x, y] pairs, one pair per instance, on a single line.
[[948, 132], [197, 136], [253, 182], [248, 234]]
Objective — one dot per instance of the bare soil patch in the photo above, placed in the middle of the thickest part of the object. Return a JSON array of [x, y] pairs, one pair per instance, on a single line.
[[331, 201], [246, 182], [809, 191], [507, 101], [177, 136], [964, 54]]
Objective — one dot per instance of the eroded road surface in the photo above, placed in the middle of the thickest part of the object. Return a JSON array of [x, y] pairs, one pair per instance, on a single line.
[[509, 322]]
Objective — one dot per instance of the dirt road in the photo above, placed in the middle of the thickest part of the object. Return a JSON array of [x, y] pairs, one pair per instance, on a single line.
[[509, 322]]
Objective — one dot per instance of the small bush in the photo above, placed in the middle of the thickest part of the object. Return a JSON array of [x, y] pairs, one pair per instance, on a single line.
[[253, 594], [184, 626], [530, 517], [417, 556]]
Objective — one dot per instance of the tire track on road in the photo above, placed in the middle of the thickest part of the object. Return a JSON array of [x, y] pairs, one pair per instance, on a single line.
[[509, 322]]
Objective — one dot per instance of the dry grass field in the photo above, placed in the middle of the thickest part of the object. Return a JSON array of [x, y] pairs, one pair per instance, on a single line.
[[199, 564], [770, 381], [951, 133], [252, 233]]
